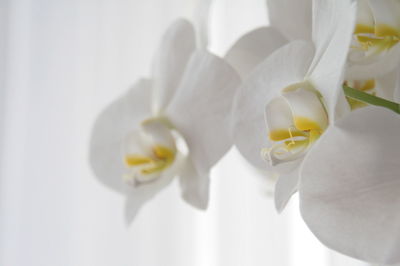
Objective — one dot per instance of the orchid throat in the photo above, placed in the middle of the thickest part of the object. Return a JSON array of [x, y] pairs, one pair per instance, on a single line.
[[295, 120], [373, 40], [150, 152]]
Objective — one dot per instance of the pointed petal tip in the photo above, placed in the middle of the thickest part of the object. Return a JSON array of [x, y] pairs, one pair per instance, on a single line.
[[131, 210], [280, 204], [196, 201], [175, 49], [285, 187], [194, 187], [279, 207]]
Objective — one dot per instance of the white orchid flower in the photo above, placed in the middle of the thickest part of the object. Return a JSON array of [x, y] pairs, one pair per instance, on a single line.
[[350, 182], [375, 49], [375, 54], [349, 187], [252, 48], [295, 88], [174, 124]]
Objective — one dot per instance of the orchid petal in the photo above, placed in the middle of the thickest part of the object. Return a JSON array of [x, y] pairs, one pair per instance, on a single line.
[[291, 17], [195, 188], [350, 186], [282, 68], [254, 47], [285, 187], [200, 110], [333, 24], [177, 45], [110, 130], [202, 19]]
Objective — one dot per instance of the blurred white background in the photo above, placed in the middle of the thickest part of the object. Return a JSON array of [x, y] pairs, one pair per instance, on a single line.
[[61, 62]]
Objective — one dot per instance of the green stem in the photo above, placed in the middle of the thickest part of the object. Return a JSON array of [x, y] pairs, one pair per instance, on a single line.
[[370, 99]]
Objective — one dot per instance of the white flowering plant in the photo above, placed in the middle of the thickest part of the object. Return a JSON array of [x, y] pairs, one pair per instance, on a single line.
[[312, 98]]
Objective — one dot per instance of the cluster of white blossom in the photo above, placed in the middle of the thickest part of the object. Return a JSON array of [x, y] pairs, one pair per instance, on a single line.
[[311, 98]]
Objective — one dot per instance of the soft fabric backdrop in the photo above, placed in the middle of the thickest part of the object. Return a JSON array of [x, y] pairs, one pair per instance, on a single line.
[[61, 62]]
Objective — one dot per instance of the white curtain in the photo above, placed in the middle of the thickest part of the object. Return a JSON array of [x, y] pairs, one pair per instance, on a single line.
[[61, 62]]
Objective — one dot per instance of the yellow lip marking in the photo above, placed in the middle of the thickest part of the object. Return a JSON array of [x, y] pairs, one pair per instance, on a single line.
[[362, 28], [134, 160], [282, 134], [381, 37], [304, 123], [383, 30], [307, 129], [160, 159]]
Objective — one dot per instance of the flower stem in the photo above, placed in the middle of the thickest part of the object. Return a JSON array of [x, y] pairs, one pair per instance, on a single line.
[[370, 99]]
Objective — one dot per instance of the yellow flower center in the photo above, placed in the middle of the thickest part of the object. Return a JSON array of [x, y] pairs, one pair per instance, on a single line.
[[161, 158], [304, 133], [150, 151], [295, 121], [374, 40]]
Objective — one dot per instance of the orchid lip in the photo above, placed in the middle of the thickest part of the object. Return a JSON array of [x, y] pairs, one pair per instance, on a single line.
[[161, 158], [148, 168], [295, 121], [374, 40], [154, 152]]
